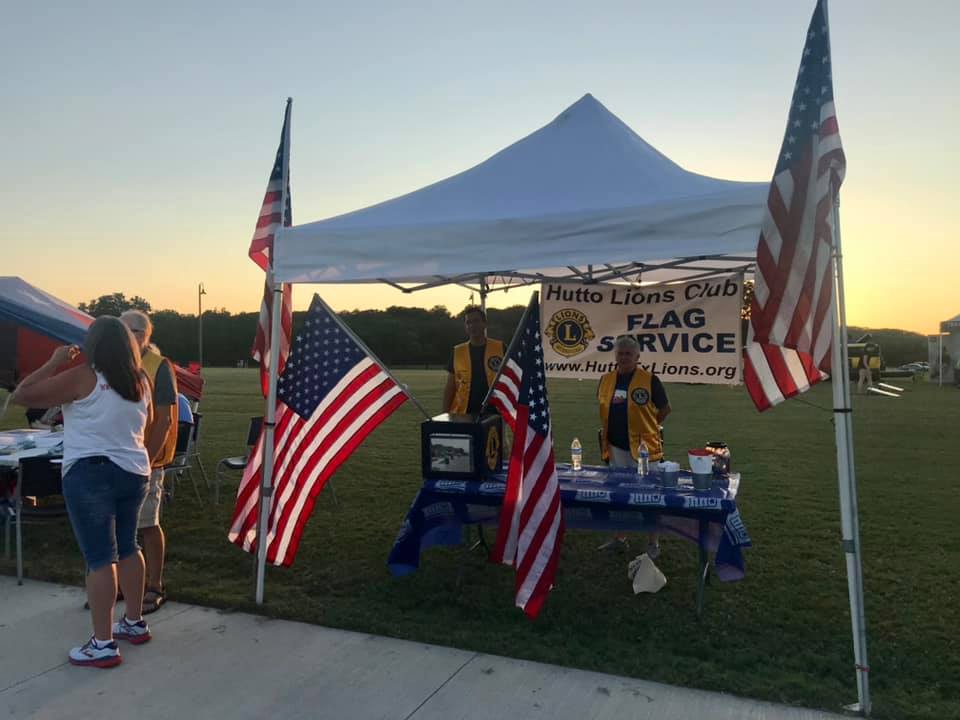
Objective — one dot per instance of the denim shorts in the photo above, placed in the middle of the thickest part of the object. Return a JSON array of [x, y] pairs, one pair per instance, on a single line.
[[103, 501]]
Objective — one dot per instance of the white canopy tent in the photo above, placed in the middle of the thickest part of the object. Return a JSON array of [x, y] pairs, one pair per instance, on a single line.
[[582, 197], [948, 351], [586, 199]]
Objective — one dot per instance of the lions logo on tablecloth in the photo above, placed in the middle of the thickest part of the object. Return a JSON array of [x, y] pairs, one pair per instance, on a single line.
[[494, 362], [640, 396], [569, 332]]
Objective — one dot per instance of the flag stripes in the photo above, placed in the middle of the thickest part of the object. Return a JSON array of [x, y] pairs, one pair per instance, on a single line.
[[531, 528], [275, 212], [331, 397], [793, 309]]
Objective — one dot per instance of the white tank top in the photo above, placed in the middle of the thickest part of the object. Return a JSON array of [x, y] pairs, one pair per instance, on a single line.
[[104, 423]]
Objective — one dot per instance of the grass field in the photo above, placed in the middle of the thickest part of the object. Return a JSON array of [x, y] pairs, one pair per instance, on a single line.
[[781, 634]]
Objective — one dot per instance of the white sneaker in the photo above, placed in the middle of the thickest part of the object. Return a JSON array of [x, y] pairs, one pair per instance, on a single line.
[[96, 655], [135, 633]]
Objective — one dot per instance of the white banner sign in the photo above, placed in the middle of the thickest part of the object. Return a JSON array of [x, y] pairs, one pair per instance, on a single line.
[[688, 332]]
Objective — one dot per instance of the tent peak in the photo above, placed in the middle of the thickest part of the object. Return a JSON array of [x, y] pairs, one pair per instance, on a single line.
[[586, 104]]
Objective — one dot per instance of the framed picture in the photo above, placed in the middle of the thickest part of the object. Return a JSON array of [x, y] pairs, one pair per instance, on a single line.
[[451, 453]]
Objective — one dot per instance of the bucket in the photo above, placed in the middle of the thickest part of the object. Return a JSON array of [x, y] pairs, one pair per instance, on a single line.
[[701, 461], [702, 481], [669, 474]]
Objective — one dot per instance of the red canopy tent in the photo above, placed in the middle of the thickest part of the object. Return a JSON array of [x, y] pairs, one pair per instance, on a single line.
[[33, 323]]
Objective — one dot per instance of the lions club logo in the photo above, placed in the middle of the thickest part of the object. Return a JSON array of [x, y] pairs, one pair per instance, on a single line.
[[493, 449], [640, 396], [494, 363], [569, 332]]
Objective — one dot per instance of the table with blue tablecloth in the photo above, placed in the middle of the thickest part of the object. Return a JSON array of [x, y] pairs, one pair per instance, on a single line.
[[594, 498]]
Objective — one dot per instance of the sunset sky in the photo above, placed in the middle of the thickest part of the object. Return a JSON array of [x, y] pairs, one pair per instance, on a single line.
[[137, 139]]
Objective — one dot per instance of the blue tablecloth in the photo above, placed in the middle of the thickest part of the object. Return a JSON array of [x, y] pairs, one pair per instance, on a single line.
[[595, 498]]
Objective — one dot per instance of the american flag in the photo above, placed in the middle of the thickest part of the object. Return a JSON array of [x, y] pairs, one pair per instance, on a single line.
[[331, 395], [531, 522], [793, 310], [275, 212]]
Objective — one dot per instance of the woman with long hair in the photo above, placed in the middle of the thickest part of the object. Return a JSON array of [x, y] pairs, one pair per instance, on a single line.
[[106, 406]]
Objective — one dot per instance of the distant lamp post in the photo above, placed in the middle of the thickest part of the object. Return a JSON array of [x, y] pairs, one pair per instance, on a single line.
[[200, 293]]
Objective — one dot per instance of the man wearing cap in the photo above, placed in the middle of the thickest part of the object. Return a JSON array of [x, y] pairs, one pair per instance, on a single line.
[[161, 442]]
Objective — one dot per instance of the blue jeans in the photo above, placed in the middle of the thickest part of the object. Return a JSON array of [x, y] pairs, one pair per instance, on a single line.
[[103, 502]]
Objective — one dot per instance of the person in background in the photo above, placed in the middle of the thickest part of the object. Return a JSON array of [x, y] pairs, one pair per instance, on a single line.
[[106, 408], [161, 441], [184, 411], [865, 376], [34, 416], [633, 404], [473, 365], [184, 424]]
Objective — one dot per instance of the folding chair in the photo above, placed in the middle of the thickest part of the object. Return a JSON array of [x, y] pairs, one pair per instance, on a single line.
[[180, 464], [239, 462], [36, 477], [193, 449]]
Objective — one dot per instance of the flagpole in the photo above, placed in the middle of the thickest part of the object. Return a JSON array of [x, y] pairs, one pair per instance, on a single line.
[[846, 475], [363, 346], [510, 348], [266, 476], [846, 461]]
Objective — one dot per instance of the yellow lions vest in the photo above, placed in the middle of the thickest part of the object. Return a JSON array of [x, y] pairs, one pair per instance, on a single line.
[[492, 356], [151, 361], [641, 413]]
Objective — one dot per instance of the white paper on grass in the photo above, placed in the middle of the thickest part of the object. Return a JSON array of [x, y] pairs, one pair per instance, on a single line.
[[645, 575]]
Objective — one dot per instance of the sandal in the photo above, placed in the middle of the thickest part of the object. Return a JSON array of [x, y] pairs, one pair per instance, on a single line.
[[153, 598]]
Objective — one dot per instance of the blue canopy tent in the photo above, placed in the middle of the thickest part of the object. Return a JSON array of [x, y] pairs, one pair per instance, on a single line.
[[32, 323]]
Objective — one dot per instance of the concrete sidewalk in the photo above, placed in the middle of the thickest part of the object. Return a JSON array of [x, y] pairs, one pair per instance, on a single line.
[[204, 663]]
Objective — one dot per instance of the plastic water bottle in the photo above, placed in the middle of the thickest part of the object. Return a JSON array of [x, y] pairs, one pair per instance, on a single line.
[[643, 463], [576, 455]]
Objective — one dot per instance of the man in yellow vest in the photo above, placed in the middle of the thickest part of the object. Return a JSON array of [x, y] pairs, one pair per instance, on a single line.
[[473, 365], [161, 441], [633, 404]]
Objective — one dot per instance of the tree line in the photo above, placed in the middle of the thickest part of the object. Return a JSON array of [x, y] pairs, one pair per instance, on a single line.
[[400, 336]]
